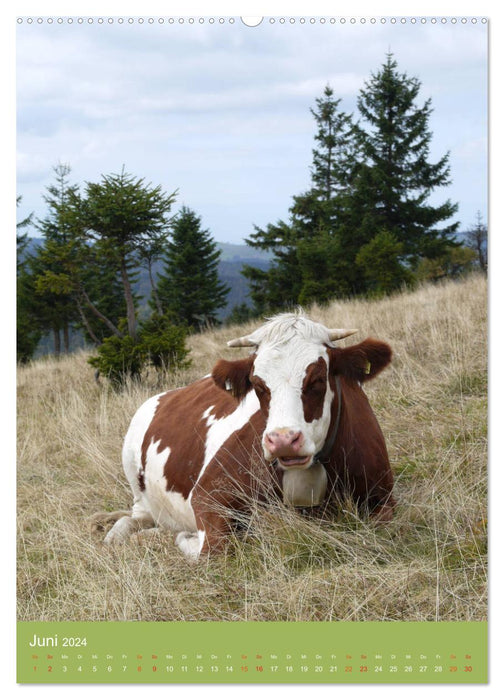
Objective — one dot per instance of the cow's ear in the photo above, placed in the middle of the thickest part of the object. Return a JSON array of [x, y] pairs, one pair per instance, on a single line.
[[234, 376], [360, 362]]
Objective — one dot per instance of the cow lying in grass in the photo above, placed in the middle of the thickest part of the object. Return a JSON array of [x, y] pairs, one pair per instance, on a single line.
[[292, 416]]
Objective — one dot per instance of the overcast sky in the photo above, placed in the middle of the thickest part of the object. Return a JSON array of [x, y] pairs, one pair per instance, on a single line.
[[221, 112]]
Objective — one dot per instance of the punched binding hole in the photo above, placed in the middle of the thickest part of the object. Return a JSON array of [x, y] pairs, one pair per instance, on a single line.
[[251, 21]]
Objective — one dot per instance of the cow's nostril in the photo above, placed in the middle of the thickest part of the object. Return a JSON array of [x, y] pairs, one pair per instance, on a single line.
[[269, 439], [296, 439]]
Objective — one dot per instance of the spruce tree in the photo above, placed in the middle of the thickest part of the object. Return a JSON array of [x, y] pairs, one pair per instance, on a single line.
[[317, 211], [371, 184], [393, 183], [188, 289], [124, 216], [280, 285], [56, 303], [477, 240], [306, 250], [28, 329], [335, 150]]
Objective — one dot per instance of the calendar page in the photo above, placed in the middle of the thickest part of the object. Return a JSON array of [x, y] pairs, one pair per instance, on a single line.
[[252, 348]]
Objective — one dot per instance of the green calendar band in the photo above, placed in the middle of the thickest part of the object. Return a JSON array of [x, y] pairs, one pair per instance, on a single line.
[[252, 652]]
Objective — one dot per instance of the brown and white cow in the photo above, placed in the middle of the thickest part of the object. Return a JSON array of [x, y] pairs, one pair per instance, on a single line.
[[293, 411]]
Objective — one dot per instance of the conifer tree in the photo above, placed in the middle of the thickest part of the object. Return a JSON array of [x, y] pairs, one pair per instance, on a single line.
[[123, 216], [56, 304], [70, 277], [28, 330], [280, 285], [189, 290], [393, 183], [335, 152], [310, 237], [477, 240], [371, 184]]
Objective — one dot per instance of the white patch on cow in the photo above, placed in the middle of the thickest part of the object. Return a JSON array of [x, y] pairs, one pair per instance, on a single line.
[[168, 509], [132, 454], [287, 347], [207, 416], [132, 446], [285, 328], [220, 429], [156, 459]]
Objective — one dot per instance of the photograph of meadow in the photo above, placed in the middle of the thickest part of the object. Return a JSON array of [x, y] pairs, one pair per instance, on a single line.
[[428, 564]]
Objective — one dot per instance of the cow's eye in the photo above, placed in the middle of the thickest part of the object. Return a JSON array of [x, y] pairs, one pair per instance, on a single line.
[[317, 386], [259, 387]]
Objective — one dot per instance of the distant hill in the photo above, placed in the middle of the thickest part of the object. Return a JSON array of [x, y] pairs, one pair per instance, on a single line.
[[233, 252], [233, 257]]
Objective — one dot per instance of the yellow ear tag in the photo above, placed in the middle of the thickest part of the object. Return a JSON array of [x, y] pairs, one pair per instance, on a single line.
[[367, 369]]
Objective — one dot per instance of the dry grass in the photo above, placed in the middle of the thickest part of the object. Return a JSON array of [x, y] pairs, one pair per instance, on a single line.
[[428, 564]]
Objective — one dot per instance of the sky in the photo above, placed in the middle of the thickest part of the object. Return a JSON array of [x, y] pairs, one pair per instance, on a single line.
[[221, 111]]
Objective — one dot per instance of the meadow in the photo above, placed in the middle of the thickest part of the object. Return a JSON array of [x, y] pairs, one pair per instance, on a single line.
[[429, 563]]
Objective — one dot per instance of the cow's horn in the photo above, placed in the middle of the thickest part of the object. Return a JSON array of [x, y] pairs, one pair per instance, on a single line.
[[340, 333], [243, 342]]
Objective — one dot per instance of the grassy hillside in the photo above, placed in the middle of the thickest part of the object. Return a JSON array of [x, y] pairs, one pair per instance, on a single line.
[[428, 564]]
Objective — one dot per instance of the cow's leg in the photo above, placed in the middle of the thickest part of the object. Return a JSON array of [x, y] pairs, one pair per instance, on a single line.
[[210, 537], [213, 527], [382, 514], [190, 543], [99, 522], [371, 489], [140, 519]]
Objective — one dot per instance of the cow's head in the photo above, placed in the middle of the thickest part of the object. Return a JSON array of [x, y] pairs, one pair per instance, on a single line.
[[293, 371]]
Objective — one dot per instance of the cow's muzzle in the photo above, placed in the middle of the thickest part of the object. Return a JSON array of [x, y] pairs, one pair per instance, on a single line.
[[286, 446]]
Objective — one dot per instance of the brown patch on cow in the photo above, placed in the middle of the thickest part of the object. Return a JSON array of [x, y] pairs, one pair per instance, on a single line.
[[178, 423], [263, 393], [383, 514], [314, 389], [234, 376], [359, 465], [234, 481], [360, 362]]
